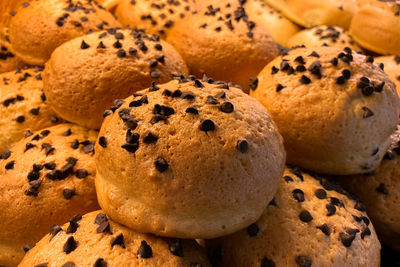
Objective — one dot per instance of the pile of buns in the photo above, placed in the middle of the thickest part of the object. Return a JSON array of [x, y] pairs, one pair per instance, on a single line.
[[199, 132]]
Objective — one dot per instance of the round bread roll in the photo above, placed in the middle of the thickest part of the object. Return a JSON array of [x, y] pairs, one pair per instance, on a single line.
[[310, 222], [41, 26], [85, 75], [46, 178], [23, 105], [154, 16], [8, 60], [309, 13], [323, 35], [280, 28], [334, 108], [380, 192], [391, 66], [376, 27], [188, 159], [223, 42], [96, 240]]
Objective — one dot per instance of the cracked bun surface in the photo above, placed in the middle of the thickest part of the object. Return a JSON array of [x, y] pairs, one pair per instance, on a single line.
[[41, 26], [85, 75], [46, 178], [221, 40], [334, 108], [193, 157], [95, 240], [310, 222]]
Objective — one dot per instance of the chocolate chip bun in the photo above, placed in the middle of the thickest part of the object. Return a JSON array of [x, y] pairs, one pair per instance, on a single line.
[[309, 13], [222, 41], [85, 75], [376, 27], [323, 35], [310, 222], [95, 240], [46, 178], [8, 60], [41, 26], [334, 108], [23, 105], [391, 65], [280, 28], [188, 159], [154, 16], [380, 192]]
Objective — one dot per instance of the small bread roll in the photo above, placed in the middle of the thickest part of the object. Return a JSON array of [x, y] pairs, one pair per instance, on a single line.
[[153, 16], [310, 222], [85, 75], [334, 108], [323, 36], [376, 27], [391, 65], [41, 26], [97, 241], [188, 159], [46, 178], [23, 106], [280, 28], [309, 13], [380, 192], [221, 40]]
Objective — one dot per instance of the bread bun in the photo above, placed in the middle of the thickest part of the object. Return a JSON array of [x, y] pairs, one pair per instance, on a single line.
[[85, 75], [188, 159], [46, 178], [280, 28], [311, 222], [309, 13], [23, 106], [40, 26], [380, 192], [233, 48], [376, 27], [334, 108], [154, 16], [99, 241], [323, 35]]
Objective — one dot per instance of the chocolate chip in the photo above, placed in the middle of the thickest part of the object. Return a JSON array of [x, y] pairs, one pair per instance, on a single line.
[[389, 156], [155, 74], [188, 95], [305, 216], [279, 87], [367, 112], [161, 164], [89, 148], [253, 229], [266, 262], [198, 84], [242, 146], [69, 193], [340, 80], [382, 189], [54, 230], [227, 107], [104, 226], [35, 111], [365, 232], [303, 261], [192, 110], [68, 264], [379, 88], [103, 142], [118, 240], [100, 263], [288, 179], [9, 165], [314, 54], [361, 207], [320, 193], [176, 93], [348, 236], [70, 245], [72, 227], [75, 144], [33, 189], [149, 138], [346, 74], [41, 265], [305, 80], [121, 53], [325, 229], [28, 247], [176, 248], [207, 125], [20, 119], [298, 194], [101, 45], [84, 45], [144, 251], [331, 209], [274, 70], [211, 100], [254, 82]]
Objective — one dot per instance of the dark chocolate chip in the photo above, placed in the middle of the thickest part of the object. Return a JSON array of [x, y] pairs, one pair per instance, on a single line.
[[176, 248], [207, 125], [70, 245], [69, 193], [144, 251], [320, 193], [325, 229], [298, 194], [227, 107], [161, 164], [305, 216], [253, 229]]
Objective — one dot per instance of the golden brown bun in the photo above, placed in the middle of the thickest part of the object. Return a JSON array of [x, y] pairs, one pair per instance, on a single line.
[[280, 28], [380, 192], [153, 16], [112, 245], [376, 27], [392, 68], [323, 36], [332, 120], [8, 60], [81, 83], [44, 181], [228, 49], [309, 13], [36, 30], [201, 172], [23, 106], [311, 222]]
